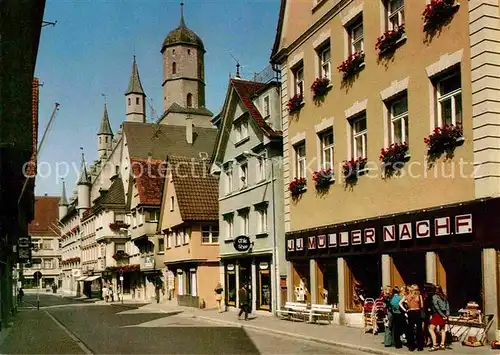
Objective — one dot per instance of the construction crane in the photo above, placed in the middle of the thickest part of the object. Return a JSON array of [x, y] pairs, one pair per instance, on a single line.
[[39, 148]]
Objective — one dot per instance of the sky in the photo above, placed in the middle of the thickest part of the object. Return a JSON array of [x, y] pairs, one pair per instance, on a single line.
[[89, 53]]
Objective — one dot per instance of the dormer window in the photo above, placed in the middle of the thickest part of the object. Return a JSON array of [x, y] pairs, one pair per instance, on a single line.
[[266, 107]]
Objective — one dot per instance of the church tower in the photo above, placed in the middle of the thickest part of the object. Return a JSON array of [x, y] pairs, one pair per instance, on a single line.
[[63, 202], [83, 186], [183, 68], [135, 98], [104, 136]]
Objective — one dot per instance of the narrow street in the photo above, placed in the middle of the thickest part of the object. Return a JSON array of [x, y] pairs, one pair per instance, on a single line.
[[64, 326]]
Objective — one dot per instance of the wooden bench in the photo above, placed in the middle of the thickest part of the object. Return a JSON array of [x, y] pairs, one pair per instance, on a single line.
[[321, 311], [294, 309]]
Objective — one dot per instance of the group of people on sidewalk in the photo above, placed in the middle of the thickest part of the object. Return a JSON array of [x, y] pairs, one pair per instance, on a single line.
[[419, 316], [108, 293], [243, 297]]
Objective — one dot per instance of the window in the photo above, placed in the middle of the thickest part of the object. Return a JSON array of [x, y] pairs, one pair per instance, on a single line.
[[359, 137], [327, 150], [299, 80], [244, 222], [119, 217], [356, 36], [47, 245], [398, 111], [229, 179], [189, 51], [128, 101], [177, 238], [106, 139], [325, 62], [395, 13], [161, 244], [169, 240], [228, 220], [189, 100], [186, 233], [266, 107], [300, 160], [118, 247], [137, 101], [261, 220], [171, 203], [241, 131], [243, 174], [261, 168], [47, 264], [153, 216], [449, 100], [174, 68], [209, 234]]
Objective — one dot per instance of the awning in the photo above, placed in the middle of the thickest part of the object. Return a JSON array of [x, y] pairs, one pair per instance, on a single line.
[[92, 278], [81, 278]]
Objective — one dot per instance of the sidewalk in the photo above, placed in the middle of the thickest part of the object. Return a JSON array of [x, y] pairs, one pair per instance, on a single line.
[[351, 338]]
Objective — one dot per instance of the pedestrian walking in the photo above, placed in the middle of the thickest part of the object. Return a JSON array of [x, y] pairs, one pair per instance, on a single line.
[[105, 293], [218, 296], [244, 301], [111, 293], [20, 295]]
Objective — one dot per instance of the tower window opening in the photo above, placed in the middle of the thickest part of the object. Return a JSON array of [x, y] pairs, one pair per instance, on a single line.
[[174, 67], [106, 139], [129, 101], [189, 51], [137, 101], [189, 100]]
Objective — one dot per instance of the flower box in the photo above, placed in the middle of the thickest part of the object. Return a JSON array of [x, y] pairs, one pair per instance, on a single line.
[[443, 139], [115, 227], [437, 12], [394, 157], [297, 186], [295, 103], [352, 64], [352, 168], [323, 178], [389, 40], [320, 87], [120, 254]]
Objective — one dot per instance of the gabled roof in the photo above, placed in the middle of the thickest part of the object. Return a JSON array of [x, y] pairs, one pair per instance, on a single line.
[[197, 191], [134, 84], [246, 90], [105, 127], [162, 140], [46, 216], [115, 194], [148, 175]]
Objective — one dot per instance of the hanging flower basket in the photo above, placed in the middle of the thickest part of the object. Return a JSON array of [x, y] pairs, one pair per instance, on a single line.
[[437, 12], [117, 226], [295, 103], [320, 87], [352, 64], [297, 186], [352, 168], [394, 157], [120, 254], [323, 178], [443, 140], [389, 40]]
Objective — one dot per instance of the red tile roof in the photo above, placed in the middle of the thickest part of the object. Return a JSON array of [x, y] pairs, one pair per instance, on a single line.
[[245, 90], [46, 216], [148, 175]]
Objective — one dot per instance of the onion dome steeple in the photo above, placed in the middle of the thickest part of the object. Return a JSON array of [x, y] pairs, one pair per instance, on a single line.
[[182, 35]]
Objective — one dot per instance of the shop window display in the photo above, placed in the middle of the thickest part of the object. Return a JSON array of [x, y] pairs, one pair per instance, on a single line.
[[264, 286], [328, 283], [364, 280], [301, 277], [408, 269], [231, 285]]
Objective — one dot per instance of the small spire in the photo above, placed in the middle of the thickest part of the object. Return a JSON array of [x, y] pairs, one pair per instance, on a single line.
[[63, 201], [182, 14], [105, 127], [134, 84], [84, 176]]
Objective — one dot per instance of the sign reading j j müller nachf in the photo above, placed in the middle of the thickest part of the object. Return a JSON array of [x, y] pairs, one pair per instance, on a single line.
[[422, 229]]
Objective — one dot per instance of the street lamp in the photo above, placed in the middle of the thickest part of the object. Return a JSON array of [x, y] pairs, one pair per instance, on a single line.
[[274, 243]]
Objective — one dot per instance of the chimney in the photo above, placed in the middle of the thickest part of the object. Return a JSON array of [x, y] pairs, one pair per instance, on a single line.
[[189, 130]]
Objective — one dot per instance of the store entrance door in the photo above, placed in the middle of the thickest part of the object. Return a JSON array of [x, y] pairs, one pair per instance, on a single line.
[[408, 268]]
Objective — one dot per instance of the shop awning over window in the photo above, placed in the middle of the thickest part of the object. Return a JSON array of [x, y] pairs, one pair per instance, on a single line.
[[92, 278], [81, 278]]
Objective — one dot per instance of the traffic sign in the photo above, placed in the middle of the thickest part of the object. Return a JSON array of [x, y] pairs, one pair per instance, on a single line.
[[38, 276], [24, 242], [242, 243], [24, 255], [121, 278]]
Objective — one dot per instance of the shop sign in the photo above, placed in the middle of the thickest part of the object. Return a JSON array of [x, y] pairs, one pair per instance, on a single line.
[[263, 265], [421, 229], [230, 267], [76, 272], [242, 243]]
